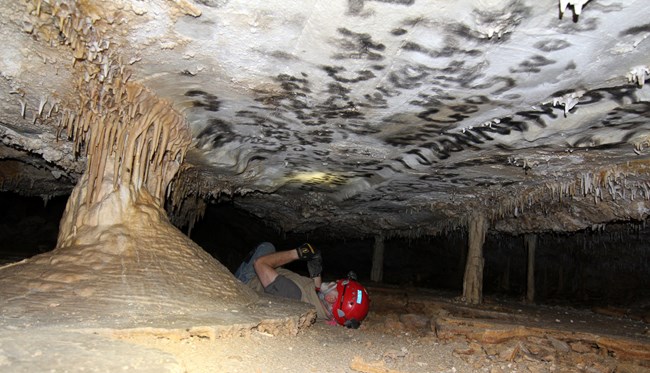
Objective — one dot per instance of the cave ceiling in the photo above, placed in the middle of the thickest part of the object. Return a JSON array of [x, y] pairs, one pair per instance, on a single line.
[[359, 117]]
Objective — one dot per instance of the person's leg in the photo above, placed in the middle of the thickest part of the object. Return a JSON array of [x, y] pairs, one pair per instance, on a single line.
[[246, 271], [265, 265], [284, 287]]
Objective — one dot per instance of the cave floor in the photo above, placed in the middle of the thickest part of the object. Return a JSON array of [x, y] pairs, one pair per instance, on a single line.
[[407, 330]]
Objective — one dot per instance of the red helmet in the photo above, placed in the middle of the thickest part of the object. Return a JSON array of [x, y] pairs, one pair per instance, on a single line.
[[352, 304]]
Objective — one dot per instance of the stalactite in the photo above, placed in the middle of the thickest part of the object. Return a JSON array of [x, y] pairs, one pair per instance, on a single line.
[[618, 182], [23, 107], [577, 6], [638, 74], [98, 125], [569, 101]]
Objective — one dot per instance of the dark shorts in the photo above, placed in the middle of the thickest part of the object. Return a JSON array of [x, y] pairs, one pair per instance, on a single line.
[[284, 287]]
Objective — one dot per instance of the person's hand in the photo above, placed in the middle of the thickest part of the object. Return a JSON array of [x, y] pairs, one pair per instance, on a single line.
[[315, 265], [307, 251]]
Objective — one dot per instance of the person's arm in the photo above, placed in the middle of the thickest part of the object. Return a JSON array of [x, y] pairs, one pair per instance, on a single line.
[[315, 266], [318, 281]]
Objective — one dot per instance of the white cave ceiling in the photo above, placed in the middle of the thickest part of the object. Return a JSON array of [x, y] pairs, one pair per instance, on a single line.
[[364, 116]]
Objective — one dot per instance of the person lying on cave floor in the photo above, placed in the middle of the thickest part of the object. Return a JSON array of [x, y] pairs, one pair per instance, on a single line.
[[344, 302]]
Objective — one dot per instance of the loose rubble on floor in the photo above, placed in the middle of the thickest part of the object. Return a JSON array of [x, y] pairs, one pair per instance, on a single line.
[[506, 336]]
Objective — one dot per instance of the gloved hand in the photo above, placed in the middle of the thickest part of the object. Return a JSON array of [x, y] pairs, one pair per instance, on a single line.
[[315, 265], [307, 251]]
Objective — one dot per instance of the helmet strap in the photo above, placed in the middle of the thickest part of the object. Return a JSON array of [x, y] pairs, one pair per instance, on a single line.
[[339, 311]]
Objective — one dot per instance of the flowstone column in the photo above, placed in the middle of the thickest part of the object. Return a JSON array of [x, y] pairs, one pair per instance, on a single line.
[[530, 244], [118, 259], [473, 280], [377, 272]]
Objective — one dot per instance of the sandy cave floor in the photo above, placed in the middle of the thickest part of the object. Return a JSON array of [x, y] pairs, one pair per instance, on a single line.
[[401, 336], [407, 331]]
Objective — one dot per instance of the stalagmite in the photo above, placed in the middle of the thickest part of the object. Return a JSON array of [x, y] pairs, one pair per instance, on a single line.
[[473, 280], [377, 272], [530, 244]]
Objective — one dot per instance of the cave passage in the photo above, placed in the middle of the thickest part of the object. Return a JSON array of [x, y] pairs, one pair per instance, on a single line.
[[610, 266]]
